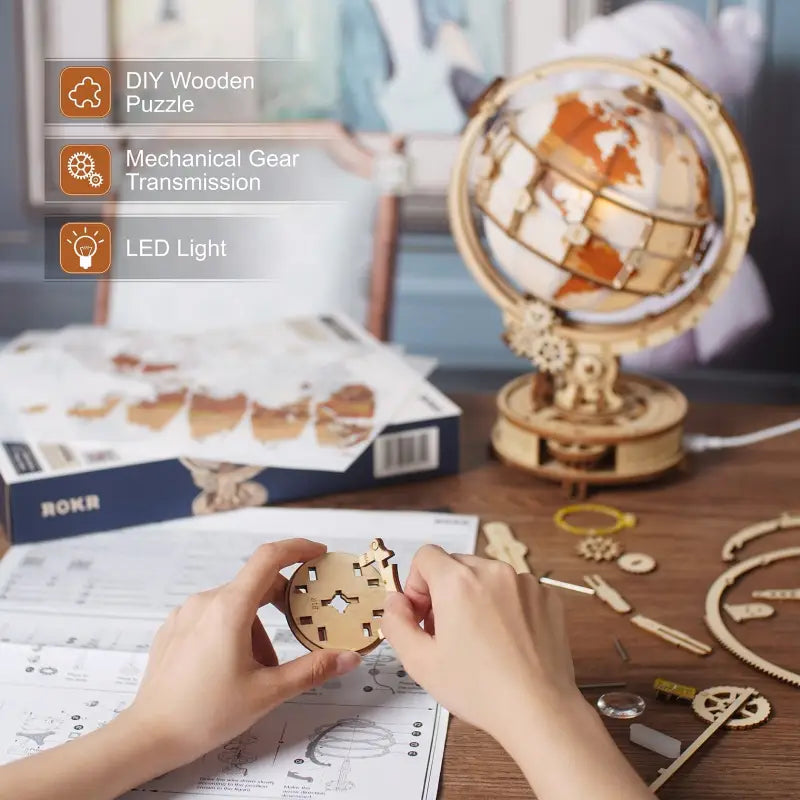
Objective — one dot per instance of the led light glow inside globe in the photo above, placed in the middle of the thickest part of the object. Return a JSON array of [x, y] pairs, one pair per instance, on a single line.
[[596, 202]]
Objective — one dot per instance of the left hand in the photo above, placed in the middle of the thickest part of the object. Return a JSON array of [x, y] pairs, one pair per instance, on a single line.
[[213, 671]]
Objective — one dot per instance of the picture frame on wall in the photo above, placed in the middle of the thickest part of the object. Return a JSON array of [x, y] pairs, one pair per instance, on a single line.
[[408, 68]]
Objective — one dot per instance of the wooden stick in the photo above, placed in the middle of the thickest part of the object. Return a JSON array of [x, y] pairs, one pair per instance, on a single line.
[[671, 635], [721, 720], [573, 587]]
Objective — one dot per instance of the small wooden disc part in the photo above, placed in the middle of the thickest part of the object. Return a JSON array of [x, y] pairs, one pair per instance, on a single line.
[[637, 563], [336, 601]]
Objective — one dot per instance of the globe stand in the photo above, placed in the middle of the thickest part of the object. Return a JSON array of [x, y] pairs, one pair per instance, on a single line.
[[639, 441], [577, 420]]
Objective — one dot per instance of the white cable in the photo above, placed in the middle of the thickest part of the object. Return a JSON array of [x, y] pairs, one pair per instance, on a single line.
[[700, 442]]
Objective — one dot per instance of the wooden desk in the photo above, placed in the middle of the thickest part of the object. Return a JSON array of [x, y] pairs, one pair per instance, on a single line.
[[683, 522]]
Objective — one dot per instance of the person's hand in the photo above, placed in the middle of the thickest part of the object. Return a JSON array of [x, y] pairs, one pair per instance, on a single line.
[[492, 640], [213, 672]]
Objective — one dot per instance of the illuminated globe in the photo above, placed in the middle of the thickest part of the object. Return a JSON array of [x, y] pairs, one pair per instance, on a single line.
[[594, 199], [585, 215]]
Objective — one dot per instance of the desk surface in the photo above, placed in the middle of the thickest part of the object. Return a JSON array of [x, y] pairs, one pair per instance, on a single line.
[[683, 522]]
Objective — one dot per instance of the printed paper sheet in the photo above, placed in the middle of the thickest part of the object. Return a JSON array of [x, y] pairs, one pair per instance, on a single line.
[[306, 393], [76, 617]]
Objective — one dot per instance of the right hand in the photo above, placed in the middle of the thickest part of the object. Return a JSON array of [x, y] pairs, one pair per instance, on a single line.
[[492, 639]]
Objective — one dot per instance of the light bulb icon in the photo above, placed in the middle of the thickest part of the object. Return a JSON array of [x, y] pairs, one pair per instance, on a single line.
[[85, 246]]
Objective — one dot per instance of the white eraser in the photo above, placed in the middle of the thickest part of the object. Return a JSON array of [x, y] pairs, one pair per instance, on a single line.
[[655, 740]]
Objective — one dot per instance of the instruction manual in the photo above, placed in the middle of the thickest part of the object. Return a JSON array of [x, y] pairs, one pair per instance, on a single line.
[[77, 617]]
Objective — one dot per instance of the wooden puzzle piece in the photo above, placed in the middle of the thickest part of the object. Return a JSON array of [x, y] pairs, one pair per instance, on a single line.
[[636, 563], [671, 635], [502, 545], [751, 532], [741, 612], [721, 720], [777, 594], [379, 555], [336, 601], [712, 702], [610, 596]]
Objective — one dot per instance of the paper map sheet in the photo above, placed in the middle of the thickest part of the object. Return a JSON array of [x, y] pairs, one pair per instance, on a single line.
[[305, 393], [76, 618]]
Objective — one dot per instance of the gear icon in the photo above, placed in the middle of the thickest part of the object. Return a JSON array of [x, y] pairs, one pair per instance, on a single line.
[[81, 166], [95, 180], [710, 703], [599, 548]]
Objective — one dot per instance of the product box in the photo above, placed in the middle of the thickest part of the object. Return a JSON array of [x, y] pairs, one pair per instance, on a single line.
[[50, 491]]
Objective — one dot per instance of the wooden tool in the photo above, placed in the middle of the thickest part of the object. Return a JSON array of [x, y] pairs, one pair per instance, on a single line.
[[722, 719], [503, 546], [610, 596], [671, 635], [777, 594]]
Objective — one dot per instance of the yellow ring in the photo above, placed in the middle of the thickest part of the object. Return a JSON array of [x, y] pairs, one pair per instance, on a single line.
[[622, 520]]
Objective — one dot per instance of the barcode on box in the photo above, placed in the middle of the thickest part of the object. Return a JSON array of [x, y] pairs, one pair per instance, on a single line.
[[409, 451]]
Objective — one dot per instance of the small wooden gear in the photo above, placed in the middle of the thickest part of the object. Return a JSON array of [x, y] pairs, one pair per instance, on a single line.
[[710, 703], [336, 601], [599, 548], [636, 563], [621, 520]]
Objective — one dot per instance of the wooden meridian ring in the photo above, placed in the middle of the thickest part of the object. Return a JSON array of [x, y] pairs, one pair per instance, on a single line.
[[707, 113], [716, 624]]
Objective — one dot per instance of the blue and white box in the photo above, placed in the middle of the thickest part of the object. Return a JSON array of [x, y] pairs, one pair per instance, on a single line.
[[51, 491]]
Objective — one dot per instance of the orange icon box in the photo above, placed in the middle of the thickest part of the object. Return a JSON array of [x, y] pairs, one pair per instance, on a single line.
[[85, 248], [85, 169], [85, 92]]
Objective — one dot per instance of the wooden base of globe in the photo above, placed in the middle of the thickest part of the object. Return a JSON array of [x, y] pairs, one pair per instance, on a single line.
[[641, 442]]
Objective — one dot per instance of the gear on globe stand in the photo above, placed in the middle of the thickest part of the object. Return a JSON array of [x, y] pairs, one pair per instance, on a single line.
[[523, 335], [580, 455], [551, 353], [595, 204]]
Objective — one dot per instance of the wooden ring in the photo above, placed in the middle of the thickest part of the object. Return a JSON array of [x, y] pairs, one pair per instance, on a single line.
[[621, 519]]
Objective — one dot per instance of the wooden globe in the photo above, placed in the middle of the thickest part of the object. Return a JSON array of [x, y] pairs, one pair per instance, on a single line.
[[593, 199], [586, 216]]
